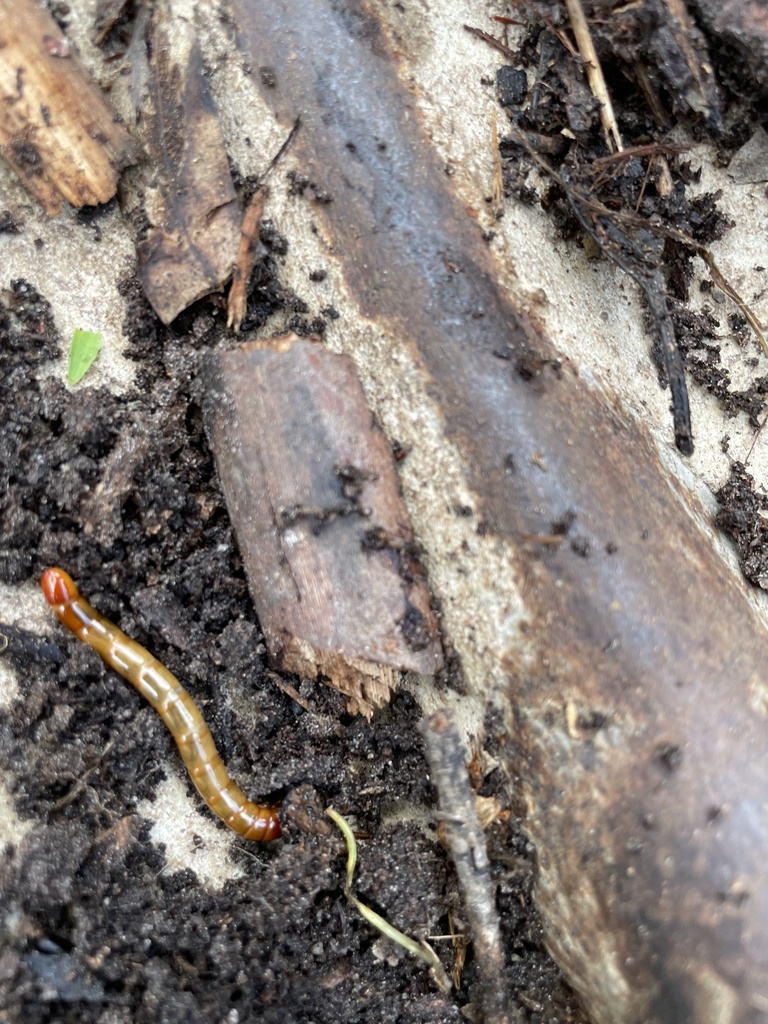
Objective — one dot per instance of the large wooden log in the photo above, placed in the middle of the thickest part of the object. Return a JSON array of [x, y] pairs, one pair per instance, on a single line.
[[635, 697]]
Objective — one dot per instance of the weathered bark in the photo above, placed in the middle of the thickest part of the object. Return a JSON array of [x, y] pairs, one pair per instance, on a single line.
[[314, 498], [56, 130], [636, 703], [187, 194]]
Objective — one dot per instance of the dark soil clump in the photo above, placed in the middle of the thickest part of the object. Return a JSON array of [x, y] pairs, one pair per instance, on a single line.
[[743, 516]]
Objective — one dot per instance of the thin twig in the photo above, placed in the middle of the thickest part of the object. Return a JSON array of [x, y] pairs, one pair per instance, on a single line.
[[653, 227], [246, 258], [628, 254], [446, 756], [492, 41], [646, 149], [733, 295], [594, 72], [288, 689], [563, 37], [249, 236], [281, 152], [497, 184], [550, 539]]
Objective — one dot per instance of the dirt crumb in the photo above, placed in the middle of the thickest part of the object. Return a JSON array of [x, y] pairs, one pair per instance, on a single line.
[[743, 516]]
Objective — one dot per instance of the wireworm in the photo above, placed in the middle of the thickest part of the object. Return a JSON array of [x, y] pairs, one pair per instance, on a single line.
[[172, 702]]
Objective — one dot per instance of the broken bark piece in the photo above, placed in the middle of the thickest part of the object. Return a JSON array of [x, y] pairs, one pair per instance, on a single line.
[[189, 201], [56, 131], [314, 498]]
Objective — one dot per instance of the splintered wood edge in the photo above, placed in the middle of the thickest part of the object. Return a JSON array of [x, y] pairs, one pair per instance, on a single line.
[[56, 129], [365, 684], [191, 246]]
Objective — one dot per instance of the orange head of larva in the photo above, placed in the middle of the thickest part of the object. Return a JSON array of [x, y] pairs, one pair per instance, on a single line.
[[58, 587]]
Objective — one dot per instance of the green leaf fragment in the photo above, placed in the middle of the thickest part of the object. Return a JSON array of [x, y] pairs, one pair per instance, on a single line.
[[86, 345]]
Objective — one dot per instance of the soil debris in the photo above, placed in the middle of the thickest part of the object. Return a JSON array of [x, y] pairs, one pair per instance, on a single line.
[[79, 751], [632, 205], [743, 516]]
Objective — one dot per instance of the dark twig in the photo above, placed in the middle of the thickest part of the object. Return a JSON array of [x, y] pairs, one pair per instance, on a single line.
[[634, 254], [633, 243], [492, 41], [466, 841]]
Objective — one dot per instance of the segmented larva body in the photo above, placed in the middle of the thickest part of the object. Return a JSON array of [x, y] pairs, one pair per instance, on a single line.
[[172, 702]]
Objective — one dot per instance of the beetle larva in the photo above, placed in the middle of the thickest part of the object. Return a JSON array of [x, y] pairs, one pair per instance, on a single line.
[[169, 698]]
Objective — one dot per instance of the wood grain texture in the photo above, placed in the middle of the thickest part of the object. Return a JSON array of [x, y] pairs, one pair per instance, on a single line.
[[635, 725], [56, 129], [314, 498], [186, 191]]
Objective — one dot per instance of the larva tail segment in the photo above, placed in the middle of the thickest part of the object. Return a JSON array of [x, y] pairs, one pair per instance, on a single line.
[[264, 826], [169, 698], [259, 823]]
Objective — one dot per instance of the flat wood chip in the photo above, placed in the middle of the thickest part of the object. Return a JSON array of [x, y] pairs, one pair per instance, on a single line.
[[315, 501]]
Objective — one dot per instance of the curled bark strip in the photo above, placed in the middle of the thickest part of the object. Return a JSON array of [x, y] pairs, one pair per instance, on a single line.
[[171, 701], [466, 841]]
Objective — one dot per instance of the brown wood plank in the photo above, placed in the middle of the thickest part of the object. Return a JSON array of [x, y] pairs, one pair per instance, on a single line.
[[315, 501]]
